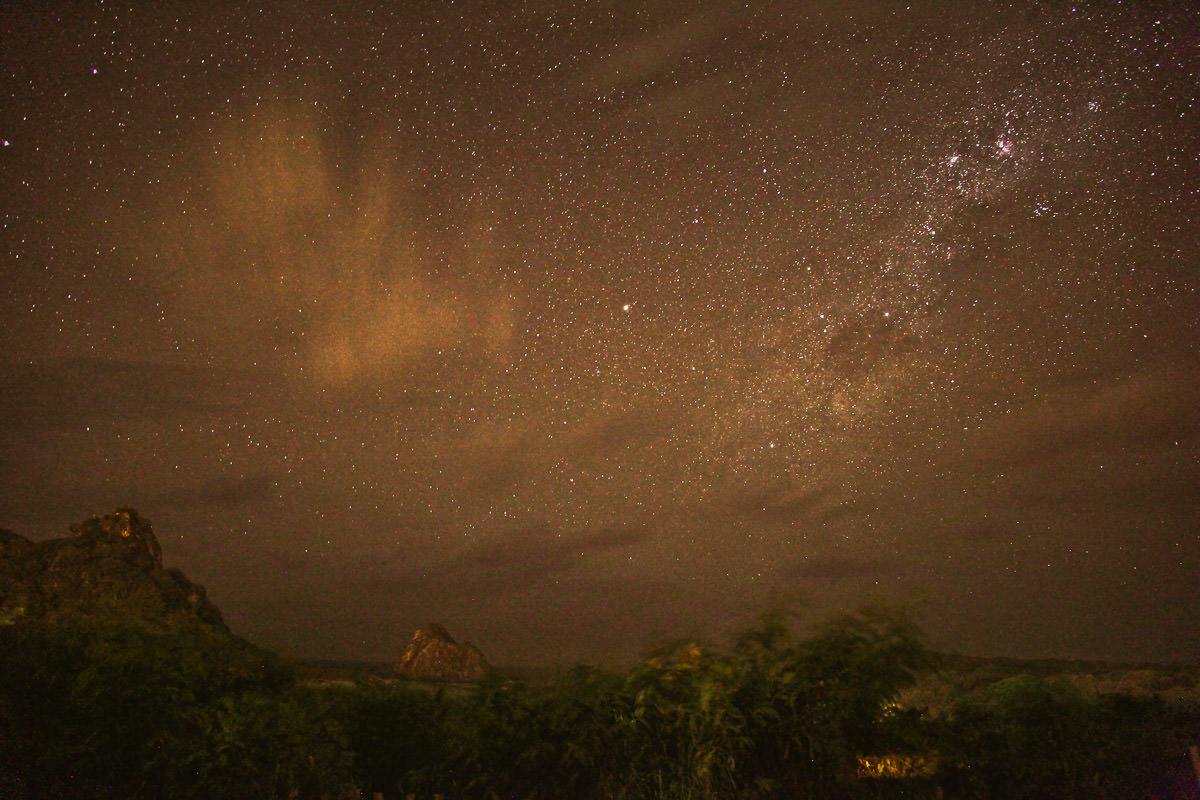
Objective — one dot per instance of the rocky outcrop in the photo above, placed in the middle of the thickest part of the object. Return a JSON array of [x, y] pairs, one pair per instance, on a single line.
[[434, 655], [108, 567]]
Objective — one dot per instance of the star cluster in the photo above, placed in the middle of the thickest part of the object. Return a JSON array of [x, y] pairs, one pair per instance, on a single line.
[[575, 325]]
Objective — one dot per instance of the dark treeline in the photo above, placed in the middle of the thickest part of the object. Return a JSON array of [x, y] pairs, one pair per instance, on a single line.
[[118, 711]]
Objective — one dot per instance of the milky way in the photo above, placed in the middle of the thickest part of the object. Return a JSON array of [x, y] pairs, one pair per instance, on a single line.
[[578, 326]]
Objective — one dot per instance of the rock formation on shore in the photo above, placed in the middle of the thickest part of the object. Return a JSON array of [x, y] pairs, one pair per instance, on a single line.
[[434, 655]]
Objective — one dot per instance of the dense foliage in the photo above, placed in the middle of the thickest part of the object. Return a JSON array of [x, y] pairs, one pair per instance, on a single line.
[[118, 711], [115, 710]]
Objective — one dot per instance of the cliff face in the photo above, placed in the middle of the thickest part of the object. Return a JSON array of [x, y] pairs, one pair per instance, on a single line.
[[110, 565], [434, 655]]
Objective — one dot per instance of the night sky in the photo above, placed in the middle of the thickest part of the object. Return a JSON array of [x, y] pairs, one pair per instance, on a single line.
[[580, 326]]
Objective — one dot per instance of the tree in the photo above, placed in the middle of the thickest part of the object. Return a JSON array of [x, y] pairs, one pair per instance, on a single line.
[[1025, 738], [398, 735], [815, 705]]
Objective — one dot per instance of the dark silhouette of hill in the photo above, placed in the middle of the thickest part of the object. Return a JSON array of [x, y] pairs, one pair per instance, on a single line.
[[110, 565], [109, 572]]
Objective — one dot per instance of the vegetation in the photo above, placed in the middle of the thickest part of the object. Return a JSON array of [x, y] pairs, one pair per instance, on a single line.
[[117, 710]]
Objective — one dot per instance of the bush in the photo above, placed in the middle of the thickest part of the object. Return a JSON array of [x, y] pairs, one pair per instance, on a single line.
[[118, 710]]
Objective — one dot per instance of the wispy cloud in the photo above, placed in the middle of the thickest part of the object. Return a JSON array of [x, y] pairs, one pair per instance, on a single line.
[[220, 493]]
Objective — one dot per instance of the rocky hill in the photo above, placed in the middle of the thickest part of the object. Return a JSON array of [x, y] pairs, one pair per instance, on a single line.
[[108, 567], [434, 655]]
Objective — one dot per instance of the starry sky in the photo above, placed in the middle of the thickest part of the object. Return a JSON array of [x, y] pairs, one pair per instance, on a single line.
[[580, 326]]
